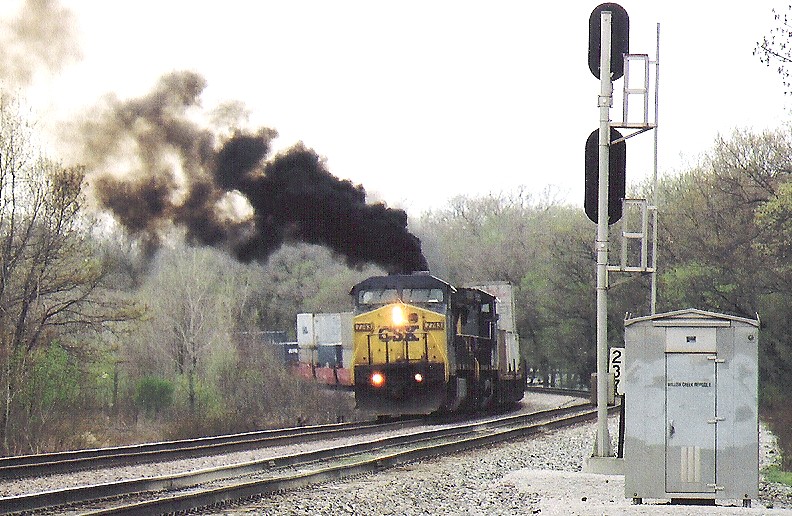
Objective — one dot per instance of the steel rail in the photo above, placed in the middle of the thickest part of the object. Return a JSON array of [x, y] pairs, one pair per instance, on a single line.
[[249, 490], [77, 460], [583, 393], [460, 433]]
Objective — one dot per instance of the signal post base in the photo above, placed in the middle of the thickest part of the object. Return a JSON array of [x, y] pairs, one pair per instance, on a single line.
[[604, 465]]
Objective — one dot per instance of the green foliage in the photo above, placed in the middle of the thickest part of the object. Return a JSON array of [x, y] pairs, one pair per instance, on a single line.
[[103, 373], [696, 285], [775, 474], [49, 404], [194, 361], [246, 388], [301, 278], [153, 394], [545, 250], [206, 312], [724, 246], [774, 219], [780, 422], [53, 280], [53, 384]]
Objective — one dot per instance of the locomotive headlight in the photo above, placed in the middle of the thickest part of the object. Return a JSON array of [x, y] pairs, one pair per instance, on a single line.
[[377, 379], [418, 377], [397, 315]]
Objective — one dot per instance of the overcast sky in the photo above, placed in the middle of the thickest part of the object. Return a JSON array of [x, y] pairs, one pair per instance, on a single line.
[[420, 101]]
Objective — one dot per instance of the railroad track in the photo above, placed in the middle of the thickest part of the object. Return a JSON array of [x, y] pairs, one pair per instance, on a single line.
[[584, 393], [79, 460], [215, 486]]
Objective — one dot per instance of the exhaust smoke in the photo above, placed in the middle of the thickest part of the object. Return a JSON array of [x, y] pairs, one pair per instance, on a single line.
[[155, 168]]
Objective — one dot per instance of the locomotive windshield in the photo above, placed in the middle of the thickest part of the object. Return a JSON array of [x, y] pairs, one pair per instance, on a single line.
[[408, 295], [422, 295], [378, 297]]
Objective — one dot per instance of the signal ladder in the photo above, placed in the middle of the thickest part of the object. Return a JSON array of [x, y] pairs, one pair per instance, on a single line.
[[639, 223]]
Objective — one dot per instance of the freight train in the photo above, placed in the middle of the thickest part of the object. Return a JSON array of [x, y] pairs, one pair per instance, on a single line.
[[422, 346]]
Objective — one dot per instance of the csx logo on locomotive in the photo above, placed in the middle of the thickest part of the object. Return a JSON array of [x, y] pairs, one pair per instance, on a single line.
[[387, 334]]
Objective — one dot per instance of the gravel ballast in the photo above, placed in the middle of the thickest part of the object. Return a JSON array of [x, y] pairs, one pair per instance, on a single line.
[[541, 475], [23, 486]]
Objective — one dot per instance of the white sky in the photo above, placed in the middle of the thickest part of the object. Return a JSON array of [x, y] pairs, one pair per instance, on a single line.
[[420, 101]]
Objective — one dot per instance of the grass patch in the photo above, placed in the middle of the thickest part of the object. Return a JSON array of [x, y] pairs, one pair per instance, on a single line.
[[775, 474]]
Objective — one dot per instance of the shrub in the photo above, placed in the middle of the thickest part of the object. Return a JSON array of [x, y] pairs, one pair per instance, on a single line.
[[154, 394]]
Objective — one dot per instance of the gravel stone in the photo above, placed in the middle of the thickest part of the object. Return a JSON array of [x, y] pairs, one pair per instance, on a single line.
[[540, 475], [533, 475]]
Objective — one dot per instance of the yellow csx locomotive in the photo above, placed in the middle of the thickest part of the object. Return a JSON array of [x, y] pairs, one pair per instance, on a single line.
[[422, 346]]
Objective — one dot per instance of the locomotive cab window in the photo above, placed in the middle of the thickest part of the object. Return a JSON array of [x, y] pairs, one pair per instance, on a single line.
[[422, 295], [378, 297]]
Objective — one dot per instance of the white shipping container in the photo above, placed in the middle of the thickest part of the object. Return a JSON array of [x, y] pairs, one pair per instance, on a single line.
[[323, 329], [347, 358], [305, 330], [333, 328]]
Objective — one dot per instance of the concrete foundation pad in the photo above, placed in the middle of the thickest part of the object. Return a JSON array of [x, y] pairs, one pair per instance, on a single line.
[[567, 493], [604, 465]]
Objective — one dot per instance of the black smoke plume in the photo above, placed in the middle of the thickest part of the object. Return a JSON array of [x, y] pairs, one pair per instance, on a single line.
[[42, 36], [161, 169]]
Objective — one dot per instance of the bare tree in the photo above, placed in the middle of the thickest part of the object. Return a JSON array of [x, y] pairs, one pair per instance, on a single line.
[[776, 48], [187, 314], [51, 281], [205, 316]]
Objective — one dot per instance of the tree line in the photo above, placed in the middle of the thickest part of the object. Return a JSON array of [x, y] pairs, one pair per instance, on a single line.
[[724, 233], [103, 343]]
